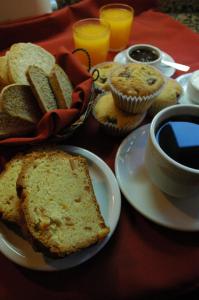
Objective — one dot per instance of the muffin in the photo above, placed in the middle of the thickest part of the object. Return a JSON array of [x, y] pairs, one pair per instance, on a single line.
[[104, 69], [134, 86], [168, 96], [111, 118]]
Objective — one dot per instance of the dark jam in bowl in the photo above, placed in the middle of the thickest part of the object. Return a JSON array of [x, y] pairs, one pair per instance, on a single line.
[[179, 138], [144, 54]]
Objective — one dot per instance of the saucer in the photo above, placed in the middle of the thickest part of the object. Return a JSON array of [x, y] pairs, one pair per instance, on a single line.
[[166, 70], [107, 192], [183, 81], [143, 195]]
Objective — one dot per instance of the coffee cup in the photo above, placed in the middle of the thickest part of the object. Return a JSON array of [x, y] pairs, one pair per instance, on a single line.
[[171, 157], [193, 87], [144, 53]]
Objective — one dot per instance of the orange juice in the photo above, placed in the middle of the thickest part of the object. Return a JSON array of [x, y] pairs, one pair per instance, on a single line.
[[92, 35], [120, 18]]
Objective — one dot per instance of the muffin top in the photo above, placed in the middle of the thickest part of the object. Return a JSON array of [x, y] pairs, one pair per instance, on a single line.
[[136, 80], [104, 70], [169, 95], [105, 111], [170, 92]]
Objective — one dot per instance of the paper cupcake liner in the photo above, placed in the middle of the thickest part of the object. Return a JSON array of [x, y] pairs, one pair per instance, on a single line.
[[113, 129], [133, 104]]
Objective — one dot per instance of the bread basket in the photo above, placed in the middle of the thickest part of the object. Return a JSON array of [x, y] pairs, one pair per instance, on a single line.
[[59, 124], [70, 130]]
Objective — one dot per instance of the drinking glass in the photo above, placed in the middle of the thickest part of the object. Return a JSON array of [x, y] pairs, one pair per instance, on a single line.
[[93, 35], [120, 17]]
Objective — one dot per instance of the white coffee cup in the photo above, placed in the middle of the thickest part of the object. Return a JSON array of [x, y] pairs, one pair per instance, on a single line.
[[167, 174], [193, 87], [156, 54]]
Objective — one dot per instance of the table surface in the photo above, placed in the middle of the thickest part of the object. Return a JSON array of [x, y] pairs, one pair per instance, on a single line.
[[142, 259]]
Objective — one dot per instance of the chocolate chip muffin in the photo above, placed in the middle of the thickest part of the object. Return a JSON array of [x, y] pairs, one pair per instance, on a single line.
[[104, 69], [111, 118], [134, 86], [168, 96]]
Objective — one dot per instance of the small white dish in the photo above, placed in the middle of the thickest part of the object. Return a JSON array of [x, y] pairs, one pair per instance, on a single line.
[[145, 197], [166, 70], [144, 53], [108, 196], [183, 81]]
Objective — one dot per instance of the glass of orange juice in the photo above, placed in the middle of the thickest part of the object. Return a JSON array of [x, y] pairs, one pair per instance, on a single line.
[[92, 35], [120, 17]]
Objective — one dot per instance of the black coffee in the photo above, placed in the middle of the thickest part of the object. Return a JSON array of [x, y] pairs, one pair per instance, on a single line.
[[143, 54], [179, 138]]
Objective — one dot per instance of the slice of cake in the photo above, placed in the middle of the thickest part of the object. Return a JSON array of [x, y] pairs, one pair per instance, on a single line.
[[59, 206], [9, 201]]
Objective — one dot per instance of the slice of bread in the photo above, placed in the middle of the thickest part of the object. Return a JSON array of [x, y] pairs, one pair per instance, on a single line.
[[4, 79], [11, 126], [41, 88], [22, 55], [61, 87], [59, 205], [9, 201], [18, 101]]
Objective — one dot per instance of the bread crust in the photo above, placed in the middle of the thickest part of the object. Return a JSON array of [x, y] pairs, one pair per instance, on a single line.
[[4, 79], [61, 87], [11, 126], [41, 88], [17, 100], [60, 223], [22, 55], [9, 201]]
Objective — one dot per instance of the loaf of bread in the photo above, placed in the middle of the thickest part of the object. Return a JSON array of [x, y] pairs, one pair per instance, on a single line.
[[61, 87], [59, 206], [17, 100], [22, 55], [41, 88]]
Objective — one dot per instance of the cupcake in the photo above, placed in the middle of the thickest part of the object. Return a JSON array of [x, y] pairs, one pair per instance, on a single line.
[[134, 86], [104, 70], [111, 118], [168, 96]]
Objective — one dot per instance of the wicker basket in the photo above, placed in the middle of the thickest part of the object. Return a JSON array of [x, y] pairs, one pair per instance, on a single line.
[[70, 130]]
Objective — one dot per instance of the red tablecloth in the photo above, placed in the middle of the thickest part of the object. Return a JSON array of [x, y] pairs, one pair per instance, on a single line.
[[142, 259]]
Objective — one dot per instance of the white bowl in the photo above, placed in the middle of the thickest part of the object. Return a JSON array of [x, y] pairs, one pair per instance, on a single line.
[[144, 53]]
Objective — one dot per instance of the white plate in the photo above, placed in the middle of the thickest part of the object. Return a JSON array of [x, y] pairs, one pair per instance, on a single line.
[[166, 70], [183, 81], [180, 214], [109, 198]]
